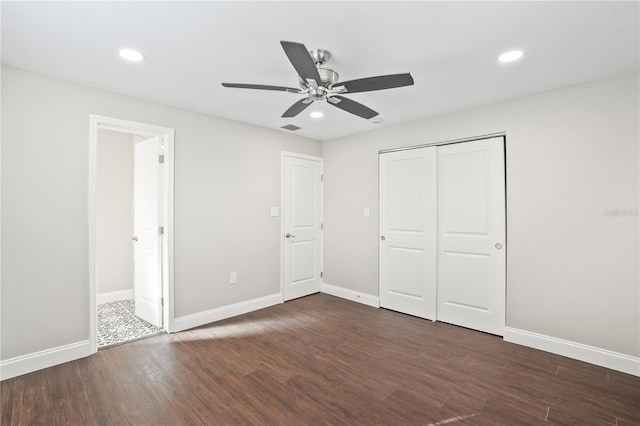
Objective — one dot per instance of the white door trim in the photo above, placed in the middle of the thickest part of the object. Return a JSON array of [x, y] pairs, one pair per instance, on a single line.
[[97, 122], [283, 155]]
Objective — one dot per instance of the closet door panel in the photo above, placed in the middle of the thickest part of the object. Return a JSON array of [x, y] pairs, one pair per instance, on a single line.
[[471, 235], [407, 231]]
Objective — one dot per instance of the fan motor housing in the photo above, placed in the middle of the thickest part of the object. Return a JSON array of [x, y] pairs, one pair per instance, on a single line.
[[318, 94], [327, 78]]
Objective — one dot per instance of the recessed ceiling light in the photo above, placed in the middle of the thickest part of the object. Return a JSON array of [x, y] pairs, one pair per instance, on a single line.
[[512, 55], [131, 55], [317, 114]]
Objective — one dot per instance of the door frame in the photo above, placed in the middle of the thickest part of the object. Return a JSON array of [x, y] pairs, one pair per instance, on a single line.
[[449, 142], [96, 123], [283, 155]]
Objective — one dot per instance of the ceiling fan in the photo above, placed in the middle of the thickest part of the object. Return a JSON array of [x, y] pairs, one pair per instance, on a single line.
[[320, 84]]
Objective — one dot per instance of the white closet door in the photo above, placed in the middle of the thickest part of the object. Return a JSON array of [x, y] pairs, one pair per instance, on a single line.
[[408, 231], [471, 235]]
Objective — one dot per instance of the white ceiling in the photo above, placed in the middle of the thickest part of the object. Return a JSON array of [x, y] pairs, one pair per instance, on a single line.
[[450, 48]]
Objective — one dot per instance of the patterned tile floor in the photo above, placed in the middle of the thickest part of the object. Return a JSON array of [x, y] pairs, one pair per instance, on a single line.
[[118, 323]]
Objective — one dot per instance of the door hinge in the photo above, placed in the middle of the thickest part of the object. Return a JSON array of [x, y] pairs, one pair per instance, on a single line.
[[320, 274], [321, 178], [322, 226], [160, 230], [162, 301], [161, 159]]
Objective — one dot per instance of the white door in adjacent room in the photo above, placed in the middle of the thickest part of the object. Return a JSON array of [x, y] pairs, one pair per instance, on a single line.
[[471, 235], [147, 231], [302, 225], [408, 231]]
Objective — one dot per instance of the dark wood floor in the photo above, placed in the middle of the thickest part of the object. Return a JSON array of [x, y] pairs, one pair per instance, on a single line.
[[322, 360]]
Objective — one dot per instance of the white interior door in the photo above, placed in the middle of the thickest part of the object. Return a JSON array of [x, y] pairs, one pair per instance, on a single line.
[[471, 235], [302, 219], [408, 232], [147, 215]]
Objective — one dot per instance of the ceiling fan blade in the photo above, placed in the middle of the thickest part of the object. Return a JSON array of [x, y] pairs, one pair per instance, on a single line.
[[261, 87], [297, 108], [301, 60], [352, 106], [380, 82]]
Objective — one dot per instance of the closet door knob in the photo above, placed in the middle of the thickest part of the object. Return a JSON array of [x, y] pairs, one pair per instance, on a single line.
[[498, 246], [383, 238]]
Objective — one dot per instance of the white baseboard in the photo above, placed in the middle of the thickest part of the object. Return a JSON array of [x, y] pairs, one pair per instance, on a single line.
[[114, 296], [603, 357], [224, 312], [43, 359], [355, 296]]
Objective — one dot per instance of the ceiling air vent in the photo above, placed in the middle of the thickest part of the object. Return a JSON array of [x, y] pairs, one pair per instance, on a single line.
[[291, 127]]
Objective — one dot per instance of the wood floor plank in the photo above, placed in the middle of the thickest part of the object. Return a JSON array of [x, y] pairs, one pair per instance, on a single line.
[[69, 397], [419, 407], [305, 410], [139, 388], [104, 388], [322, 360], [341, 408], [254, 405], [7, 395], [32, 401], [18, 409], [572, 413], [625, 422]]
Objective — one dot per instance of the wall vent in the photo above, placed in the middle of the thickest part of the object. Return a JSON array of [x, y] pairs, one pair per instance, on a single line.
[[291, 127]]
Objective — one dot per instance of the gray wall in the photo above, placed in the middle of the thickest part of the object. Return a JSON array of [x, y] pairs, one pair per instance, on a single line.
[[114, 211], [572, 156], [227, 175]]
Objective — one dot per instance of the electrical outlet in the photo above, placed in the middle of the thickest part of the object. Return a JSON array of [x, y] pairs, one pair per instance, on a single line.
[[233, 278]]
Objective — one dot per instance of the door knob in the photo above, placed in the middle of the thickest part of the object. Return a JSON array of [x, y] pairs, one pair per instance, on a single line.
[[289, 235], [498, 246], [383, 238], [135, 238]]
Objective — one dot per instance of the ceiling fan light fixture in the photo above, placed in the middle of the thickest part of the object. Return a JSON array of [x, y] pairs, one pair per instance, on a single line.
[[510, 56], [317, 114], [131, 55], [317, 83]]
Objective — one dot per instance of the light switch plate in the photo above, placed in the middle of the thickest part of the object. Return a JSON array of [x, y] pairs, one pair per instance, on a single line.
[[275, 212]]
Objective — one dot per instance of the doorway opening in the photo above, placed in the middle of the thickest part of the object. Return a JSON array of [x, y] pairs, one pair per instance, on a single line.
[[130, 231]]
